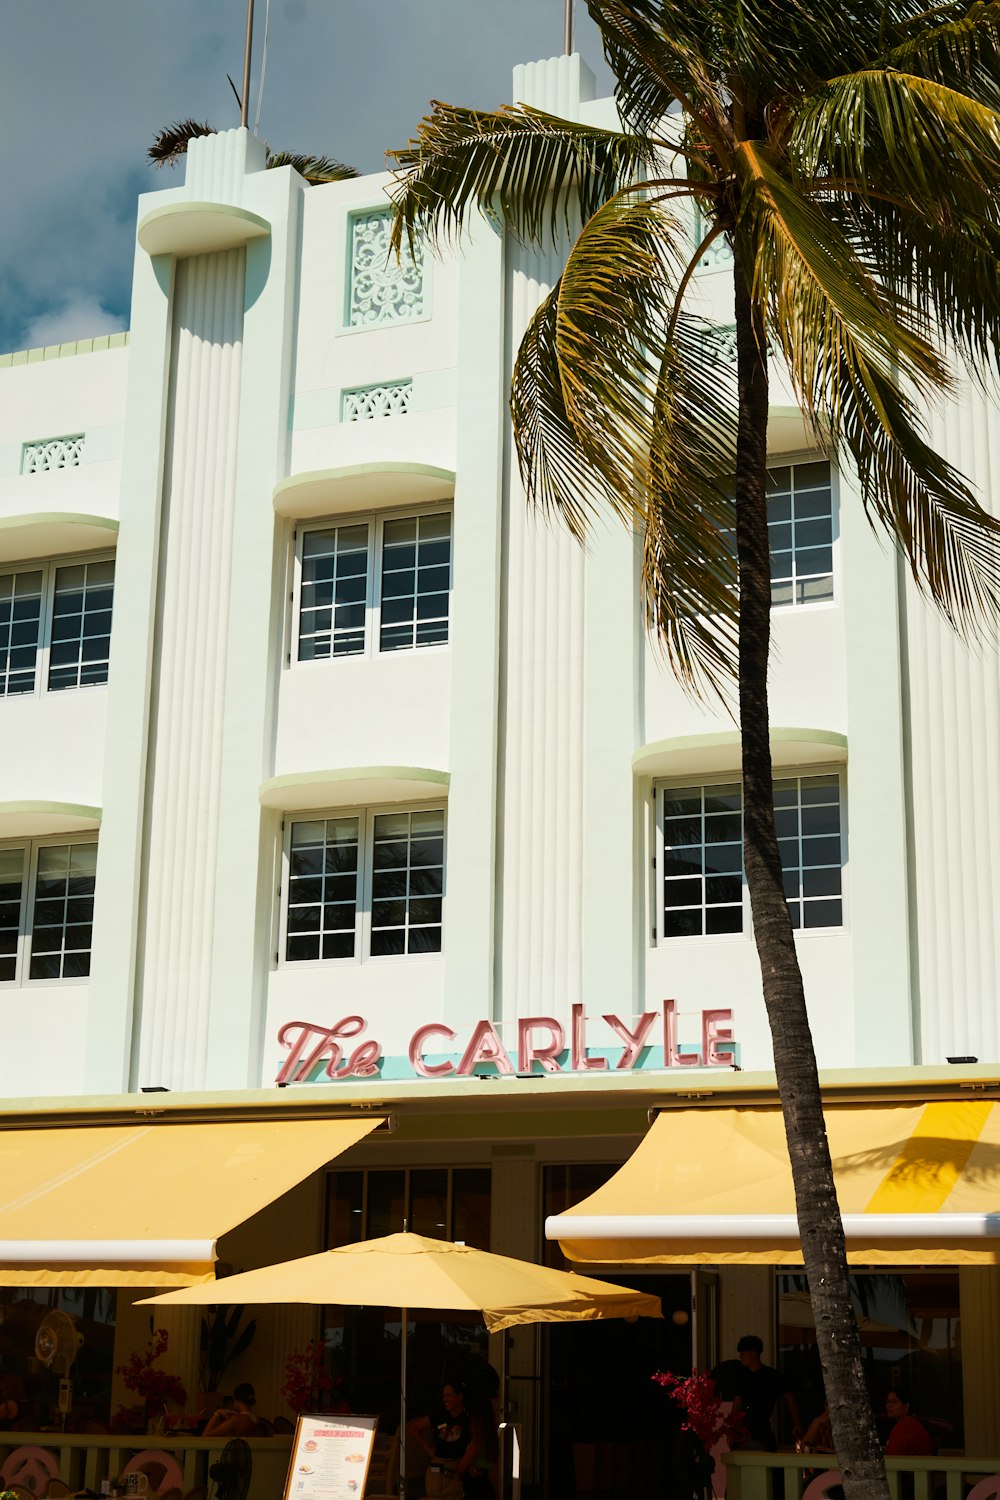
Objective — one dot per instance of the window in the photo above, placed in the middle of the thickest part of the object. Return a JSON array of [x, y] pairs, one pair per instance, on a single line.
[[46, 910], [55, 626], [384, 579], [701, 855], [365, 884], [800, 532]]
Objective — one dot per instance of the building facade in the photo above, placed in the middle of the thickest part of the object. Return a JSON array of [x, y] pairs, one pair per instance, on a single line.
[[328, 765]]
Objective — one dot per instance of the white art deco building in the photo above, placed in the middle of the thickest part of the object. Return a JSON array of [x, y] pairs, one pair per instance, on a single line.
[[325, 763]]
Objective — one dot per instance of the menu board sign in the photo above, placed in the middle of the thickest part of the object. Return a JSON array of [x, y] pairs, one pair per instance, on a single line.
[[330, 1457]]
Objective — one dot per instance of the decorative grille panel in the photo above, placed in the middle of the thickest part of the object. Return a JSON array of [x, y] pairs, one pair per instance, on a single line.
[[52, 453], [369, 401], [383, 289]]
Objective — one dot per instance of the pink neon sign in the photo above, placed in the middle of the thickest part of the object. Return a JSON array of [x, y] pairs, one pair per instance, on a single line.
[[541, 1040]]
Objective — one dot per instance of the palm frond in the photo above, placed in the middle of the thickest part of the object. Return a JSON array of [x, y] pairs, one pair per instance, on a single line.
[[951, 543], [905, 135], [542, 174], [655, 67], [315, 169], [610, 414], [947, 272], [689, 571], [852, 353], [958, 50], [172, 142], [826, 304]]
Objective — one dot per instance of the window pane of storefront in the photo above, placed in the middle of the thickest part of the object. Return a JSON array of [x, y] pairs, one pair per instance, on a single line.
[[910, 1337], [34, 1388], [386, 1204], [363, 1343], [429, 1202], [345, 1208], [607, 1429], [471, 1206]]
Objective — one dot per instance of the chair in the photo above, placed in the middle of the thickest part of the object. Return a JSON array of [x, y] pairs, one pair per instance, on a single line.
[[161, 1469], [31, 1469], [281, 1426], [173, 1494], [820, 1487], [199, 1492], [986, 1489], [383, 1471], [57, 1489]]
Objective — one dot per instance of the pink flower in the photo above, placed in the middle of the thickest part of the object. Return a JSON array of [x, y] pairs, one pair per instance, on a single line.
[[703, 1413]]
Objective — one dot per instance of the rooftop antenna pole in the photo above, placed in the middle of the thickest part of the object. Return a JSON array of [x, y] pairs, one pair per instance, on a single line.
[[247, 50], [568, 29]]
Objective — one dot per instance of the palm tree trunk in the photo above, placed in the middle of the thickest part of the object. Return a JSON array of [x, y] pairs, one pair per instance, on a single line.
[[820, 1226]]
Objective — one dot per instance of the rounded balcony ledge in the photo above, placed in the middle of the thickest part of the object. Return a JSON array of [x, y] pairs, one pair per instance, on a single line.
[[353, 786], [54, 534], [719, 753], [183, 229], [330, 492], [34, 819]]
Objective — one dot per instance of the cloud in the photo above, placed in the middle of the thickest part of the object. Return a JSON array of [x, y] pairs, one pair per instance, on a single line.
[[343, 79], [79, 317]]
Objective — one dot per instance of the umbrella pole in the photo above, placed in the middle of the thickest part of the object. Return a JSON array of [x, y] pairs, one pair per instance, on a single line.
[[402, 1410]]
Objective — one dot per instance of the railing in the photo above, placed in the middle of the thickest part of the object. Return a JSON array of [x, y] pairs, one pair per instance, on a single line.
[[750, 1475], [85, 1459]]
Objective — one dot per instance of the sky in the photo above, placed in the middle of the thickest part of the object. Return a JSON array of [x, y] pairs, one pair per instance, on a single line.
[[86, 84]]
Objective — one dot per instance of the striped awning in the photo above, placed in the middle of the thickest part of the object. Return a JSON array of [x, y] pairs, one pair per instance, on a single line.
[[916, 1183]]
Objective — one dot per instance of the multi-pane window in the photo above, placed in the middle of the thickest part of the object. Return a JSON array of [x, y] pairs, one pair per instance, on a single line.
[[702, 861], [407, 882], [365, 885], [800, 532], [46, 910], [701, 855], [55, 626], [381, 583], [808, 818], [416, 579], [20, 629], [333, 597]]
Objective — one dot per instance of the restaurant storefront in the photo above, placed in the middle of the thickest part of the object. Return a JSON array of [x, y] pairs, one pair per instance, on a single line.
[[489, 1160]]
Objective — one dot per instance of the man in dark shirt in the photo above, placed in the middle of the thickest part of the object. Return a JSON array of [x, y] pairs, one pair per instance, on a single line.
[[754, 1389]]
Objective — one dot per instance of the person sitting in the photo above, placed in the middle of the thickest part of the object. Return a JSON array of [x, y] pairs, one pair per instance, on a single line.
[[818, 1436], [909, 1436], [240, 1421]]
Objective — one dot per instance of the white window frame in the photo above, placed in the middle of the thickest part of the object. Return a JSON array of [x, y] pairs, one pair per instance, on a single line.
[[31, 846], [376, 522], [662, 784], [363, 915], [789, 461], [48, 567]]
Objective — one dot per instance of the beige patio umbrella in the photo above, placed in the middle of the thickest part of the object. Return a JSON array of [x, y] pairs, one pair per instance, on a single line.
[[409, 1270]]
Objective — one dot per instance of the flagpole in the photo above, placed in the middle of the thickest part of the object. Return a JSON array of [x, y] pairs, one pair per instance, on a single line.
[[247, 50], [568, 29]]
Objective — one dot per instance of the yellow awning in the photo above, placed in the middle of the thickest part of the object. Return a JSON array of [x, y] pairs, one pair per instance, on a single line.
[[917, 1184], [143, 1205]]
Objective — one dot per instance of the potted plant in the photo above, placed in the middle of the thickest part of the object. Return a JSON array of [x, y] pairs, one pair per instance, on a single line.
[[154, 1387], [705, 1421], [307, 1380]]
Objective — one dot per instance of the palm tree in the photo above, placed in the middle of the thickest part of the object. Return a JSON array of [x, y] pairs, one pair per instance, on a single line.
[[171, 144], [849, 153]]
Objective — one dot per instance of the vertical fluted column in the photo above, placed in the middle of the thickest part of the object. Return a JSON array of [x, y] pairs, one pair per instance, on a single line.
[[953, 762], [542, 679], [979, 1290], [189, 681]]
